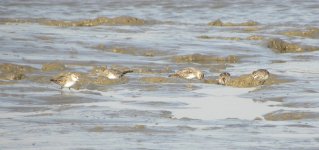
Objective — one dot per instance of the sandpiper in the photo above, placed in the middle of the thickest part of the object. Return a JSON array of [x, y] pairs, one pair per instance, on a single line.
[[260, 75], [97, 70], [114, 73], [67, 80], [224, 78], [189, 73]]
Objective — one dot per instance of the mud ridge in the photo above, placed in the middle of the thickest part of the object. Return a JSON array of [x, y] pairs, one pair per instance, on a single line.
[[204, 59], [280, 46], [218, 22], [121, 20]]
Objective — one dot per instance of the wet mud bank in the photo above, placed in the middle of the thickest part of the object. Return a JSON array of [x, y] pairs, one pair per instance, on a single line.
[[247, 81], [252, 37], [280, 46], [220, 38], [14, 72], [218, 22], [54, 66], [284, 115], [93, 78], [307, 33], [134, 51], [156, 80], [204, 59], [152, 70], [121, 20]]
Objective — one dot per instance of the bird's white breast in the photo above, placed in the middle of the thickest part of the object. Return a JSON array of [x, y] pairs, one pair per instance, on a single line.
[[111, 76], [190, 76], [69, 84]]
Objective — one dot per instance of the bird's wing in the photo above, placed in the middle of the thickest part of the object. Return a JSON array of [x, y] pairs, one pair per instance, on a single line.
[[114, 71], [59, 79], [126, 71], [186, 71]]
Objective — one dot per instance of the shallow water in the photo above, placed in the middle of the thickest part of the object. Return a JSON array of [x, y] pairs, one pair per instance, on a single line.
[[134, 114]]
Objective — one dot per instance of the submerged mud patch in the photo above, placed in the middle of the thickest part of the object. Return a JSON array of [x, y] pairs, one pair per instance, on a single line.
[[253, 37], [5, 82], [14, 72], [156, 80], [138, 128], [131, 51], [40, 79], [252, 28], [106, 81], [96, 129], [211, 81], [284, 115], [220, 38], [150, 70], [281, 46], [275, 79], [218, 22], [64, 98], [308, 33], [12, 76], [205, 59], [53, 67], [16, 68], [16, 21], [122, 20]]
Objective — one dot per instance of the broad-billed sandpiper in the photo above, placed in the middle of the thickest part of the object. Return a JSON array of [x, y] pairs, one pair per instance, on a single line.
[[67, 80], [189, 73], [97, 70], [224, 78], [260, 75], [114, 73]]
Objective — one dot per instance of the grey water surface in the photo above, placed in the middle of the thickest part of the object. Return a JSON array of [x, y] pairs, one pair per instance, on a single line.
[[141, 115]]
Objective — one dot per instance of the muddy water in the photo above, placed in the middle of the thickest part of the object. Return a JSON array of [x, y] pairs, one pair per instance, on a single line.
[[146, 109]]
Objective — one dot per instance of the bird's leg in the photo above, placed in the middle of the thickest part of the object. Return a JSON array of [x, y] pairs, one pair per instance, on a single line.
[[189, 84], [263, 82]]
